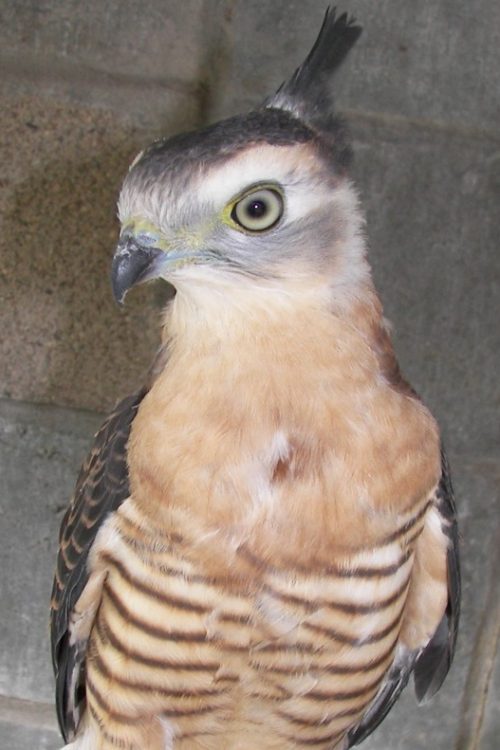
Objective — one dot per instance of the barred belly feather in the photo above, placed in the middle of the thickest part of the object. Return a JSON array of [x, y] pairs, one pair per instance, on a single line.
[[290, 658]]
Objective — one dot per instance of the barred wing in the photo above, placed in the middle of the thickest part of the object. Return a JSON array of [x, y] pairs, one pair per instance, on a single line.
[[101, 487]]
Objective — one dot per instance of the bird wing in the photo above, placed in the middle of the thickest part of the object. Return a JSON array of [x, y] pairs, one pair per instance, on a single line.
[[429, 665], [101, 487]]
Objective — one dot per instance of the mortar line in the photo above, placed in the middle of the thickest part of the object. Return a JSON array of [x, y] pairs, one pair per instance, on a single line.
[[70, 72], [482, 661], [27, 713], [406, 121]]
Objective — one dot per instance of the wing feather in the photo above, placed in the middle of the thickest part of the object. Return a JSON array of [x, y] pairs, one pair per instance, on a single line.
[[434, 662], [431, 664], [101, 487]]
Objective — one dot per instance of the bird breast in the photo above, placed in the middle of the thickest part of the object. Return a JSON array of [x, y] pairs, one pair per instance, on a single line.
[[283, 435]]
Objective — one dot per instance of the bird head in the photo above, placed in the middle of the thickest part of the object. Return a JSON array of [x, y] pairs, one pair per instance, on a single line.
[[260, 200]]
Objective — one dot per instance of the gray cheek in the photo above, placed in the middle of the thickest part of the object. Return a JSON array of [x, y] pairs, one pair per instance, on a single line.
[[310, 241]]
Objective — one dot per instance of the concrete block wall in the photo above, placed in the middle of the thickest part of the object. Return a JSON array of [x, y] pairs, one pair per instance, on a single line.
[[83, 87]]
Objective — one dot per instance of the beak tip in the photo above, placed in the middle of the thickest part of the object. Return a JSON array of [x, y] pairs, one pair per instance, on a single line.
[[118, 291], [132, 264]]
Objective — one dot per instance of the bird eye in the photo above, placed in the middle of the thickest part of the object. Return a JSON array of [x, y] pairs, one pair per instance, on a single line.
[[259, 210]]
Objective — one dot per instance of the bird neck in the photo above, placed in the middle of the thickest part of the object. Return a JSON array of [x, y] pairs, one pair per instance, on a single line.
[[210, 307]]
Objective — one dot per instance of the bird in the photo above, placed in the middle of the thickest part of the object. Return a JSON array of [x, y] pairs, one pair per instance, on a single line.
[[262, 546]]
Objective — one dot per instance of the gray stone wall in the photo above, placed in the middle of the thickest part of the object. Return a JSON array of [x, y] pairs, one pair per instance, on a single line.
[[83, 87]]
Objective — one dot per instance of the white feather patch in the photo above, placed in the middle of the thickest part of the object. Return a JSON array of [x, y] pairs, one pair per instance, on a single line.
[[260, 472], [168, 733], [86, 740]]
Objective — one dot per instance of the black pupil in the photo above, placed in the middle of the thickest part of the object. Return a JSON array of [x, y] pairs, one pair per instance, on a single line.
[[257, 208]]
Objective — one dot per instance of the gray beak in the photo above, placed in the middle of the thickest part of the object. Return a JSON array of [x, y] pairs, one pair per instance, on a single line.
[[132, 264]]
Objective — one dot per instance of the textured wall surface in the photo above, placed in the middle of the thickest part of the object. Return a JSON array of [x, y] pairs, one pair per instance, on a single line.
[[82, 88]]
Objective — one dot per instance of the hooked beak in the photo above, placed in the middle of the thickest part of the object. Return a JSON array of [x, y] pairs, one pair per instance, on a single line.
[[132, 264]]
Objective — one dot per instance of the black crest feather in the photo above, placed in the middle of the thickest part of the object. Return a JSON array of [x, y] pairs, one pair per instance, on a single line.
[[307, 92]]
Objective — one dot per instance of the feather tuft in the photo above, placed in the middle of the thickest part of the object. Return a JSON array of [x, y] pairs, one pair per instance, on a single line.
[[307, 93]]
